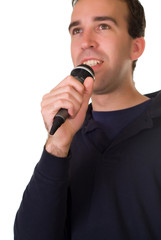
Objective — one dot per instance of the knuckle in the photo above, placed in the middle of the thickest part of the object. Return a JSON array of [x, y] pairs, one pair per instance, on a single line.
[[68, 88], [59, 102], [42, 104], [67, 95], [43, 111], [43, 99], [45, 96]]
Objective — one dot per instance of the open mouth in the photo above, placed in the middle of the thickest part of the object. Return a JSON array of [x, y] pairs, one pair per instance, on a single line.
[[92, 63]]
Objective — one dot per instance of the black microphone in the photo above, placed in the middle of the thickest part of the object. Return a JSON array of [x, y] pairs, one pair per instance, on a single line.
[[81, 72]]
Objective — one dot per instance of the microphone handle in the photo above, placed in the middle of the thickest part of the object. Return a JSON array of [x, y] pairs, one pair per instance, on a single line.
[[59, 119]]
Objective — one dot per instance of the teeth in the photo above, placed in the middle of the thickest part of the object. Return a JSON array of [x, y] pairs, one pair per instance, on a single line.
[[92, 63]]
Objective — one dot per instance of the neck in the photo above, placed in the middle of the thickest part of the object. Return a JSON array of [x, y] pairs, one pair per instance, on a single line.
[[117, 100]]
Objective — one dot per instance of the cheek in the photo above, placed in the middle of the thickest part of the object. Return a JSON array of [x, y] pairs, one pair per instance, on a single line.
[[111, 49], [121, 51], [110, 45], [125, 47]]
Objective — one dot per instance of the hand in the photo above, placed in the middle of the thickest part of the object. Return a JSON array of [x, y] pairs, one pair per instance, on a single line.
[[73, 96]]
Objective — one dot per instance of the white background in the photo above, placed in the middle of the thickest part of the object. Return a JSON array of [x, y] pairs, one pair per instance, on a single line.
[[34, 57]]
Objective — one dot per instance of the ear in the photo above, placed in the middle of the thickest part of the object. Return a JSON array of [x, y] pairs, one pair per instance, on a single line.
[[138, 46]]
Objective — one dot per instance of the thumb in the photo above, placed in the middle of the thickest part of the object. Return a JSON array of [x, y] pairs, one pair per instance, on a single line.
[[88, 85], [79, 119]]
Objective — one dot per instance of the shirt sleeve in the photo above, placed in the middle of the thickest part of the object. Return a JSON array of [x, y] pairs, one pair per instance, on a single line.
[[42, 213]]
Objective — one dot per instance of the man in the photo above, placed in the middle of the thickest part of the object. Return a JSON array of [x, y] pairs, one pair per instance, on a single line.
[[99, 174]]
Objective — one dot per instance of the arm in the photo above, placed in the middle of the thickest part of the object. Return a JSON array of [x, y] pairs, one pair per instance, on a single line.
[[42, 213]]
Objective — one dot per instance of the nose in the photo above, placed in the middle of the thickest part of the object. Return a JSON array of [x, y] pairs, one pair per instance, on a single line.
[[88, 40]]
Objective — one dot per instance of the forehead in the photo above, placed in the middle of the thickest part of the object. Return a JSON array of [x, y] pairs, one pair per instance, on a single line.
[[90, 8]]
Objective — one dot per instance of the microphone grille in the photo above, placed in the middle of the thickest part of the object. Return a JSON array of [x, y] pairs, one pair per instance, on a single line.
[[83, 71]]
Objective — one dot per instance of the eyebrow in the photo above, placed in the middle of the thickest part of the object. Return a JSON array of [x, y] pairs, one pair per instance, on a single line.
[[73, 24], [95, 19]]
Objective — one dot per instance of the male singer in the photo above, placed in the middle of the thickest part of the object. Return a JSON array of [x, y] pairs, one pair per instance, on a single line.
[[99, 177]]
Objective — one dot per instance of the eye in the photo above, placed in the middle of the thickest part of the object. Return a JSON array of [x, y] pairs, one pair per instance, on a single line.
[[76, 31], [103, 26]]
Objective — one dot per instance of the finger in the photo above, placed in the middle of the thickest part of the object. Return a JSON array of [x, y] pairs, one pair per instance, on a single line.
[[70, 81], [66, 92], [71, 104]]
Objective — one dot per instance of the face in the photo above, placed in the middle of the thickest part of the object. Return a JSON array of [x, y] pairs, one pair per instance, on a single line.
[[99, 38]]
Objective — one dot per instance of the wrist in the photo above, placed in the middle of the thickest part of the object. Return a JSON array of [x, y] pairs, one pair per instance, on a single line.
[[54, 148]]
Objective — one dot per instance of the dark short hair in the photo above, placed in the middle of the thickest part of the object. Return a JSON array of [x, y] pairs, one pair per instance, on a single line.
[[136, 20]]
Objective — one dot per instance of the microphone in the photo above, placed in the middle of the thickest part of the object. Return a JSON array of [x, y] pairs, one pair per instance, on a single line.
[[81, 72]]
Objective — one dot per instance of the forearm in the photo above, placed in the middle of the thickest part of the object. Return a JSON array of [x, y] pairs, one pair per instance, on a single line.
[[56, 149], [42, 212]]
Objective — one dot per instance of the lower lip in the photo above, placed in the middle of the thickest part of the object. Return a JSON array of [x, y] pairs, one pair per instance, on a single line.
[[96, 67]]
